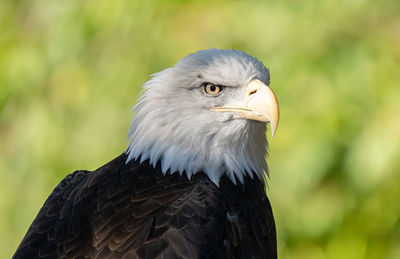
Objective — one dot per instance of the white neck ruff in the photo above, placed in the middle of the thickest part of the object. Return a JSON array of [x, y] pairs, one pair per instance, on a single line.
[[235, 147]]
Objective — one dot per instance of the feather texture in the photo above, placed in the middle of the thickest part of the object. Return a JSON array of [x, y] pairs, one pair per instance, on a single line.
[[133, 210]]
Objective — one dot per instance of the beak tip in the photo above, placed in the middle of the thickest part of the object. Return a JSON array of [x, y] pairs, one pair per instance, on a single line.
[[273, 129]]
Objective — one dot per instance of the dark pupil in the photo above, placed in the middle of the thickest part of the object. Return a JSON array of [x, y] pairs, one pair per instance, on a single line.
[[213, 88]]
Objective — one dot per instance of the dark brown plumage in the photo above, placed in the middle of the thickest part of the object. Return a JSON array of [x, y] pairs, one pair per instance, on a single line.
[[134, 211]]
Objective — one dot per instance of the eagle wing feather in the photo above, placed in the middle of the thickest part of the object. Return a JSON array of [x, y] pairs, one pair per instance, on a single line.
[[134, 211]]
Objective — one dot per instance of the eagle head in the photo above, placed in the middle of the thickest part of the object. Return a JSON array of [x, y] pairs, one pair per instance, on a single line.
[[208, 113]]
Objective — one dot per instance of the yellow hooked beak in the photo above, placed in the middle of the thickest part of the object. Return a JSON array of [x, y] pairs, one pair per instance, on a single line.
[[259, 104]]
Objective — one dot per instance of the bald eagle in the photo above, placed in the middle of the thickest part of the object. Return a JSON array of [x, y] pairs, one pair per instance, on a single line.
[[191, 183]]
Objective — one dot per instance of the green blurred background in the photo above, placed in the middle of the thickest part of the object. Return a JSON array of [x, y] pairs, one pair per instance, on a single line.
[[70, 71]]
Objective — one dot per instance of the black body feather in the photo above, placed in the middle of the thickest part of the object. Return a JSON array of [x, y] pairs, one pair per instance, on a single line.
[[134, 211]]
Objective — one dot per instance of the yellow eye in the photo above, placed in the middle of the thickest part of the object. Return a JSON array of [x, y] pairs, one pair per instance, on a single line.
[[212, 89]]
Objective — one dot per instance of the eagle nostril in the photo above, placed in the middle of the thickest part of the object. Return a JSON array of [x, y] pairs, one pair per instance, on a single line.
[[253, 91]]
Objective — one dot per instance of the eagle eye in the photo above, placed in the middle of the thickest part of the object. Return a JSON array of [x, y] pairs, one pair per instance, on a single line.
[[212, 89]]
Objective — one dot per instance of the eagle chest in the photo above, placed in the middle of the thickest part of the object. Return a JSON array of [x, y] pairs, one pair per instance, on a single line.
[[198, 221]]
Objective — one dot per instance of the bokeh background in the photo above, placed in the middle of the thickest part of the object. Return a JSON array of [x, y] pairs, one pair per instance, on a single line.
[[70, 71]]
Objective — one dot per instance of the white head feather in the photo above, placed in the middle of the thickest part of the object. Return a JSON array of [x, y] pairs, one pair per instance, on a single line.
[[173, 124]]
